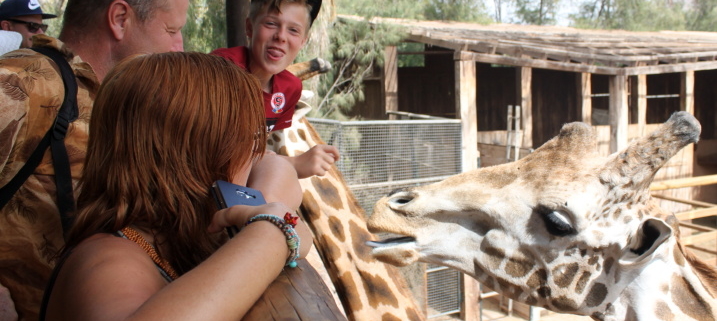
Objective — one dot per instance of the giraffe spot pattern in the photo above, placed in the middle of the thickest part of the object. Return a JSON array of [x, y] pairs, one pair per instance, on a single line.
[[663, 310], [292, 137], [631, 314], [582, 282], [626, 219], [596, 295], [328, 247], [691, 303], [282, 151], [359, 237], [275, 138], [538, 278], [346, 288], [544, 292], [598, 316], [531, 301], [389, 317], [550, 256], [494, 257], [617, 214], [413, 315], [564, 303], [593, 260], [328, 192], [608, 264], [337, 228], [310, 206], [518, 266], [302, 134], [380, 291], [564, 274]]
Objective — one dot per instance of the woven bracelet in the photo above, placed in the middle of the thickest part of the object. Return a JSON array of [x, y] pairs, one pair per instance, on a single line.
[[292, 239]]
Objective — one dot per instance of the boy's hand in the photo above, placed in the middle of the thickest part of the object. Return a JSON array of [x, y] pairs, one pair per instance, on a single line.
[[316, 161]]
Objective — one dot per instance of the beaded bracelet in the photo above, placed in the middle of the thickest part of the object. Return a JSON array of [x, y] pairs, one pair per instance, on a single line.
[[287, 226]]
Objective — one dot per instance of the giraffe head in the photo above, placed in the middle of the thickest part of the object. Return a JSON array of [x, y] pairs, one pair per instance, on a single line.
[[562, 228]]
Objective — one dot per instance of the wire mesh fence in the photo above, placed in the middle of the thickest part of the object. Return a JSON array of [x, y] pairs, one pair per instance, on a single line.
[[380, 156]]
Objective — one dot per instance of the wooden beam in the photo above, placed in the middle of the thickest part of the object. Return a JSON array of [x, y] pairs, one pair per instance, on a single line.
[[236, 13], [683, 182], [693, 214], [525, 97], [618, 113], [466, 108], [684, 201], [698, 238], [584, 67], [687, 91], [641, 104], [390, 80], [470, 305], [585, 91]]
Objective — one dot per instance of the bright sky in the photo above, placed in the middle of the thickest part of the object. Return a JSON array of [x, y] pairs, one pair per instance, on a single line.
[[565, 8]]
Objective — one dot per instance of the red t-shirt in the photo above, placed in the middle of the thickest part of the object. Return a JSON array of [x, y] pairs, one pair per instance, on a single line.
[[279, 105]]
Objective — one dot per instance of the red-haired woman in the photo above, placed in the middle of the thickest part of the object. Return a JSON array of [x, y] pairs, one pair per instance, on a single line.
[[164, 128]]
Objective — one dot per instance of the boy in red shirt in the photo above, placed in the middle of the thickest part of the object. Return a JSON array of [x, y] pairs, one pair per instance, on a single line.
[[277, 30]]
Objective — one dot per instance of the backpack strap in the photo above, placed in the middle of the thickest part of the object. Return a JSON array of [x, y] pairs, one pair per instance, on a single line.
[[55, 139]]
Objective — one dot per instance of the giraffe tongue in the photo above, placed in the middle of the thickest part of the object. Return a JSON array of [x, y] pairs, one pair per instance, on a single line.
[[391, 241]]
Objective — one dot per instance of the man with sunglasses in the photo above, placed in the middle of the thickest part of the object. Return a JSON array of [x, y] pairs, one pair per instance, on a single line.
[[25, 17]]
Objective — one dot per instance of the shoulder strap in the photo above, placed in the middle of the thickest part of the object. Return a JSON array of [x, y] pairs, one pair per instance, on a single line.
[[55, 139]]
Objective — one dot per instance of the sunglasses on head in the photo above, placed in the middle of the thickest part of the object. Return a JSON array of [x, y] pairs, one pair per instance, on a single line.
[[31, 26]]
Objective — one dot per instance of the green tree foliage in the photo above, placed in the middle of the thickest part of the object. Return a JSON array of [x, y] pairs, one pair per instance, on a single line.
[[635, 15], [357, 46], [56, 7], [456, 10], [206, 26], [536, 12], [407, 9], [702, 16]]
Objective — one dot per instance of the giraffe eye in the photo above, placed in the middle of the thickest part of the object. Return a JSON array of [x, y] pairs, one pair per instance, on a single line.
[[556, 222]]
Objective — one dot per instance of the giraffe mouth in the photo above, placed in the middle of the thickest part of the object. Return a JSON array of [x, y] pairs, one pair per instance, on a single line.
[[393, 241]]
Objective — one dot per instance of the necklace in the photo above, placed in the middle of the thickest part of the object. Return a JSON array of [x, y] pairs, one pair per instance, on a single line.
[[134, 236]]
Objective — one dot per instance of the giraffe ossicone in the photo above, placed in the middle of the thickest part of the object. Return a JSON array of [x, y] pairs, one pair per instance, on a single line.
[[563, 228]]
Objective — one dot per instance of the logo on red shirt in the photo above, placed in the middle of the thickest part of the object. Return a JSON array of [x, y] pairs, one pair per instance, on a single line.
[[277, 102]]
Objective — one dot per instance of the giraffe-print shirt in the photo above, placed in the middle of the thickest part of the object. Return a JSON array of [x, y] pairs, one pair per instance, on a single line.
[[31, 92]]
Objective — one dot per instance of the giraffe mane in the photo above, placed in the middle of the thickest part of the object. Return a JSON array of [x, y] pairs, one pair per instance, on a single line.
[[706, 273]]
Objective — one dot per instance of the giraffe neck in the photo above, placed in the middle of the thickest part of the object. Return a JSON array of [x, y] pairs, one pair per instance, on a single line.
[[678, 287], [368, 289], [674, 286]]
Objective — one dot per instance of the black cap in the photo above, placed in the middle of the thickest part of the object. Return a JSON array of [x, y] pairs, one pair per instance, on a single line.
[[315, 8], [16, 8]]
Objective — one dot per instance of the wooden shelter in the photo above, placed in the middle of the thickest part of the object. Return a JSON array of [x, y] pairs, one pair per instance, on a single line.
[[623, 83]]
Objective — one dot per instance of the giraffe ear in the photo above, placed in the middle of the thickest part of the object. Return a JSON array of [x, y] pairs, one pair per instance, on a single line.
[[651, 234], [303, 108]]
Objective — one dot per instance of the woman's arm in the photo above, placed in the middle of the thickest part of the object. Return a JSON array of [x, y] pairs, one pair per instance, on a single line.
[[277, 180], [110, 278]]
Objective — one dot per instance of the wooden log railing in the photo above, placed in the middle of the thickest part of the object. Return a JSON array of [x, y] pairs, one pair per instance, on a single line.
[[702, 234]]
